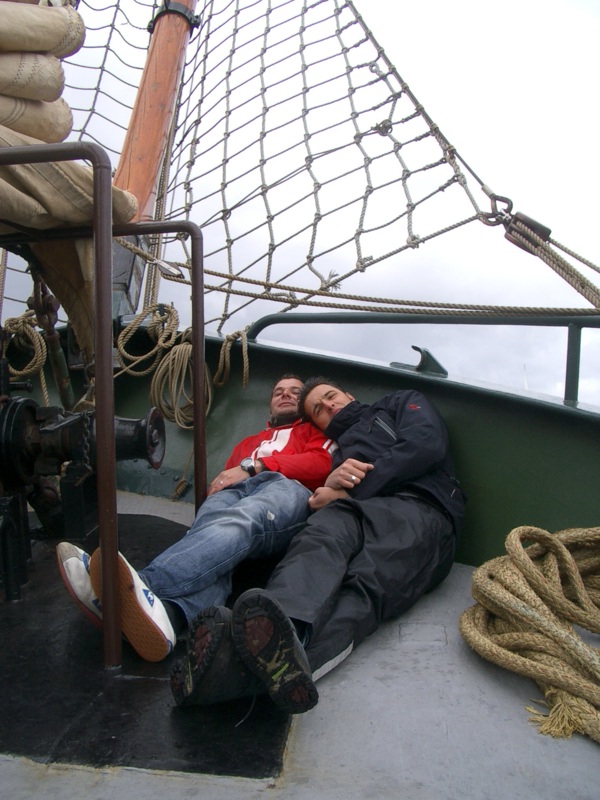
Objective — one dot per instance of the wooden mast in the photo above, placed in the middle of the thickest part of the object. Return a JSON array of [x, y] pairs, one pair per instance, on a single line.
[[148, 132]]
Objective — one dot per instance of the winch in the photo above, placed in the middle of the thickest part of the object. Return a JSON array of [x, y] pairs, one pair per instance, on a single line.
[[39, 444]]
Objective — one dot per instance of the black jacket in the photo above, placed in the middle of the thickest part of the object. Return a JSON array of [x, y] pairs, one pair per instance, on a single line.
[[405, 438]]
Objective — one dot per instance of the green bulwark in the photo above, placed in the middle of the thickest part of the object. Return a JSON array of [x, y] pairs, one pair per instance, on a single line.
[[521, 460]]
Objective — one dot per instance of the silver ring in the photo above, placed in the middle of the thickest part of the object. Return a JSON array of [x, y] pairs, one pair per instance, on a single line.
[[220, 481], [352, 478]]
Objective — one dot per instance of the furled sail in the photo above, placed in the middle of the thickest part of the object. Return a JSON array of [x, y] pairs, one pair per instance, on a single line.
[[33, 39]]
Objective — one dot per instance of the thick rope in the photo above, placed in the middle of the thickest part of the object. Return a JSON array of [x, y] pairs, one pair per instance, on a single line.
[[529, 240], [526, 605], [289, 294], [222, 373], [171, 387], [162, 329], [23, 330], [575, 255], [183, 483]]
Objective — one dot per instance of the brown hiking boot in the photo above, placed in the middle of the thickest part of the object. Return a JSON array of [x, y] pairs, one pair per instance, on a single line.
[[212, 671], [267, 643]]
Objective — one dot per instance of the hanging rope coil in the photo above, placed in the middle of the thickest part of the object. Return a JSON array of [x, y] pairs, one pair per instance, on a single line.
[[171, 387], [222, 373], [526, 605], [26, 337], [162, 329]]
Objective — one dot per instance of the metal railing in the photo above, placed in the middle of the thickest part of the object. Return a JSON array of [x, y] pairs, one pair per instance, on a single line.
[[573, 323], [103, 233]]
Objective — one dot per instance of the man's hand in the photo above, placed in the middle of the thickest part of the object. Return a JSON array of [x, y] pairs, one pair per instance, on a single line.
[[227, 478], [350, 473], [324, 495]]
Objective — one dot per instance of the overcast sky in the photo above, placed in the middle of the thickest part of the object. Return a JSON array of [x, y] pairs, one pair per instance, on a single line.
[[514, 87]]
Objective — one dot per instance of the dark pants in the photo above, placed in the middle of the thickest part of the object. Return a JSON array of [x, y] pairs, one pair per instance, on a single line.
[[357, 563]]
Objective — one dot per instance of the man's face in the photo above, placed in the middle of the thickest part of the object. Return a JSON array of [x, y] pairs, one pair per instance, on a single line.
[[323, 402], [284, 399]]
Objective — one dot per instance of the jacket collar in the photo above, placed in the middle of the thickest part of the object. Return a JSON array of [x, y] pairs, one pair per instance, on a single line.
[[289, 423], [345, 417]]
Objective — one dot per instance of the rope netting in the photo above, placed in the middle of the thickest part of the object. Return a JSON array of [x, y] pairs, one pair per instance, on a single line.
[[304, 157], [529, 606], [298, 149]]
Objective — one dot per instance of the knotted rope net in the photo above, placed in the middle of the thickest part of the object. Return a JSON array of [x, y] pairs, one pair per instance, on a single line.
[[528, 603], [299, 149]]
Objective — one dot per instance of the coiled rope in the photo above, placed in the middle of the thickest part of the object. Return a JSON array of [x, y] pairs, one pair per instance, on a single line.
[[171, 387], [222, 373], [172, 381], [526, 605], [26, 337], [162, 329]]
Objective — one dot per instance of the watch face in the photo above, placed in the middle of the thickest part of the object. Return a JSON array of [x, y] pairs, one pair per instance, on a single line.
[[247, 464]]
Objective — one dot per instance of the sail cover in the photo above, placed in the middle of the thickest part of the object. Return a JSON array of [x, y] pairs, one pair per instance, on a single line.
[[33, 39], [32, 111]]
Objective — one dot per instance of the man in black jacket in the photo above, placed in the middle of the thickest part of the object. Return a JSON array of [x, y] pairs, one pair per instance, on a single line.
[[384, 533]]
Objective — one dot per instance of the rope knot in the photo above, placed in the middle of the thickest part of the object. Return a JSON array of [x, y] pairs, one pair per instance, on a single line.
[[222, 374]]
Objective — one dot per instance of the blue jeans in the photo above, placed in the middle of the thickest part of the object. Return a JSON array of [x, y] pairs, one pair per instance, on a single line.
[[252, 519]]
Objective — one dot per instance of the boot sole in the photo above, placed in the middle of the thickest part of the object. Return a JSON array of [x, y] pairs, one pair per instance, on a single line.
[[212, 671], [206, 637], [267, 643]]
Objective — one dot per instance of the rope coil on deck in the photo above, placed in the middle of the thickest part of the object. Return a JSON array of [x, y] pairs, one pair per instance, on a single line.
[[527, 603]]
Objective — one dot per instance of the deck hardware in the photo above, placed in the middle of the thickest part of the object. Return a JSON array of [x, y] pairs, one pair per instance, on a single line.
[[514, 225], [428, 363], [193, 20]]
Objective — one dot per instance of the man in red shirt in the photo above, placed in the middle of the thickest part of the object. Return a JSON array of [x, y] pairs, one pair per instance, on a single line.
[[254, 507], [295, 449]]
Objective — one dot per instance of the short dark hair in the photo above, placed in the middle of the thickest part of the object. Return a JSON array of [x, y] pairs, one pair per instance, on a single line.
[[286, 377], [309, 385]]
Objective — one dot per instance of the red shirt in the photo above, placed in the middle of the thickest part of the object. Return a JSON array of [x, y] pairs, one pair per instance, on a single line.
[[299, 451]]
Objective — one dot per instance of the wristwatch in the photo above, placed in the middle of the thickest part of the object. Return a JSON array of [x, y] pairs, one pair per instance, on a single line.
[[247, 464]]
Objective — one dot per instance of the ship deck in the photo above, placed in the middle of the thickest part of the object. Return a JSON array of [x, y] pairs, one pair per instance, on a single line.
[[413, 713]]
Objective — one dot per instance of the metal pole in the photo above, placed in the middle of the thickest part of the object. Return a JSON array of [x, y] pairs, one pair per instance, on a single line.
[[105, 407], [573, 363], [197, 278]]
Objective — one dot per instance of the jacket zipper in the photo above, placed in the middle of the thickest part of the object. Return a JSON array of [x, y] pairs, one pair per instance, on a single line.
[[385, 427]]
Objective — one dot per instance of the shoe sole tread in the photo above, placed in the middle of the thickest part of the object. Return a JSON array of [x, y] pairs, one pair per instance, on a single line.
[[272, 658], [211, 671]]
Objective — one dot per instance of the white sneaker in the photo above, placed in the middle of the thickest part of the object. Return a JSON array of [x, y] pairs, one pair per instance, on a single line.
[[144, 619], [74, 568]]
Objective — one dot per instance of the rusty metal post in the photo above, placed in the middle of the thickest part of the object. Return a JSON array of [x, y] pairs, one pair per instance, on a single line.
[[105, 405], [106, 467], [197, 277]]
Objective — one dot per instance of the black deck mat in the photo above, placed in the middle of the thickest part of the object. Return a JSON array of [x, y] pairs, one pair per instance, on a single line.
[[59, 704]]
